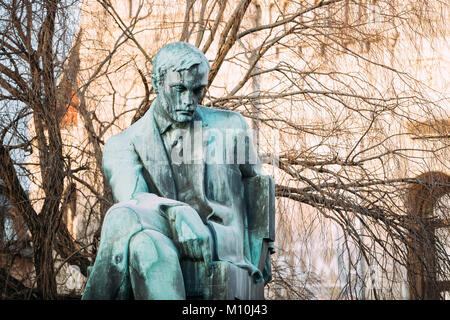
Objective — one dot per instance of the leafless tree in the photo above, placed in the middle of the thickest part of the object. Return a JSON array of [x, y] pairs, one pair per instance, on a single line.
[[355, 125], [38, 66], [330, 79]]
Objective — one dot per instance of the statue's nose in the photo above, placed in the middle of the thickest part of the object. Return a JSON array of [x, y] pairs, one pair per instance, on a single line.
[[188, 99]]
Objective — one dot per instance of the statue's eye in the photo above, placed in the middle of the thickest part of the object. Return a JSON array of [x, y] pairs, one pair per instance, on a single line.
[[179, 88], [198, 90]]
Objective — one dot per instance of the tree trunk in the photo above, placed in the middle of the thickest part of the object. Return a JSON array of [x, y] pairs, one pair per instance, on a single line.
[[44, 264]]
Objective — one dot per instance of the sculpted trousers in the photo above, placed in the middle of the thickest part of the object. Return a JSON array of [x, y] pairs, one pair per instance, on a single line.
[[137, 257], [154, 267]]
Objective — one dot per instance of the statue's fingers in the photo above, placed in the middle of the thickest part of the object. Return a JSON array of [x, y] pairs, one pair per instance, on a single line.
[[194, 250], [189, 248], [183, 249], [199, 250], [207, 257]]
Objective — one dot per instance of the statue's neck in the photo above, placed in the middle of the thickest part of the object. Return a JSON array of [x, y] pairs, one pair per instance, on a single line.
[[163, 118]]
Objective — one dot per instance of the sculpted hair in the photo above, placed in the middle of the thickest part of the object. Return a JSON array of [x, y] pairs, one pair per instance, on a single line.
[[177, 56]]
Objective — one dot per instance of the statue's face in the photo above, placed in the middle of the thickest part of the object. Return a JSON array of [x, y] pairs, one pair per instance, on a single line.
[[182, 90]]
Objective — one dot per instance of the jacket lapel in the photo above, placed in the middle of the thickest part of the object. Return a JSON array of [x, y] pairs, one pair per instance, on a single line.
[[154, 157]]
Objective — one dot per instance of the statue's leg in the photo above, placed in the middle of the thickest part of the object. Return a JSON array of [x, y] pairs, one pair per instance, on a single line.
[[154, 267]]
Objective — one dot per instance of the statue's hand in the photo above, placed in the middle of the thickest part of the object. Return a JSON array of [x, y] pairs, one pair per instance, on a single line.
[[190, 235]]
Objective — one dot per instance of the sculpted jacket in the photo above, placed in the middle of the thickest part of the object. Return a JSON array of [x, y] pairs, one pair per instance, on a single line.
[[135, 161]]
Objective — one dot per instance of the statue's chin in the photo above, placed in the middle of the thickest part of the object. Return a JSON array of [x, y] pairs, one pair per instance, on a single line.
[[183, 118]]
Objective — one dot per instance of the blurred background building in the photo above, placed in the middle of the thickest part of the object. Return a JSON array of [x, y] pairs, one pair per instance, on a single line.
[[350, 107]]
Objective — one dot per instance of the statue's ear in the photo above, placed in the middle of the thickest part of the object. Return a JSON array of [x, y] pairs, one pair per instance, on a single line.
[[155, 83]]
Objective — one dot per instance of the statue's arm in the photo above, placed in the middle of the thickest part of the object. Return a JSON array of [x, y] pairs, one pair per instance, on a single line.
[[252, 165], [260, 197], [123, 169]]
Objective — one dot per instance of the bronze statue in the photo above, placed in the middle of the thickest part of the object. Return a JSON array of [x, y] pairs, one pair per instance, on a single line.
[[193, 208]]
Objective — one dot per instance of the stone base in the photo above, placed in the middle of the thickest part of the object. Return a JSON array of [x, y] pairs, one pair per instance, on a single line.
[[227, 282]]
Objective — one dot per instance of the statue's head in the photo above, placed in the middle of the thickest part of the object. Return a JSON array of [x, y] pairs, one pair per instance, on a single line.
[[180, 75]]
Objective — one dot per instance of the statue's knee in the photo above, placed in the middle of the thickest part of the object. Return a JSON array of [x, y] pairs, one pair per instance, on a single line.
[[120, 220], [143, 250], [150, 246]]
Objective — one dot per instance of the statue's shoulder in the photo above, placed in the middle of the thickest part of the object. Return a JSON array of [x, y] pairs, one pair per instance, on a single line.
[[129, 134], [117, 140], [122, 141], [219, 117]]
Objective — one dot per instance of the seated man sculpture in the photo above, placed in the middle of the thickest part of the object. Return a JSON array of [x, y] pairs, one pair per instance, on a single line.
[[178, 177]]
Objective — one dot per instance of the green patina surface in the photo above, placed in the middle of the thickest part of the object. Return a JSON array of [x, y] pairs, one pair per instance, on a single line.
[[187, 223]]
